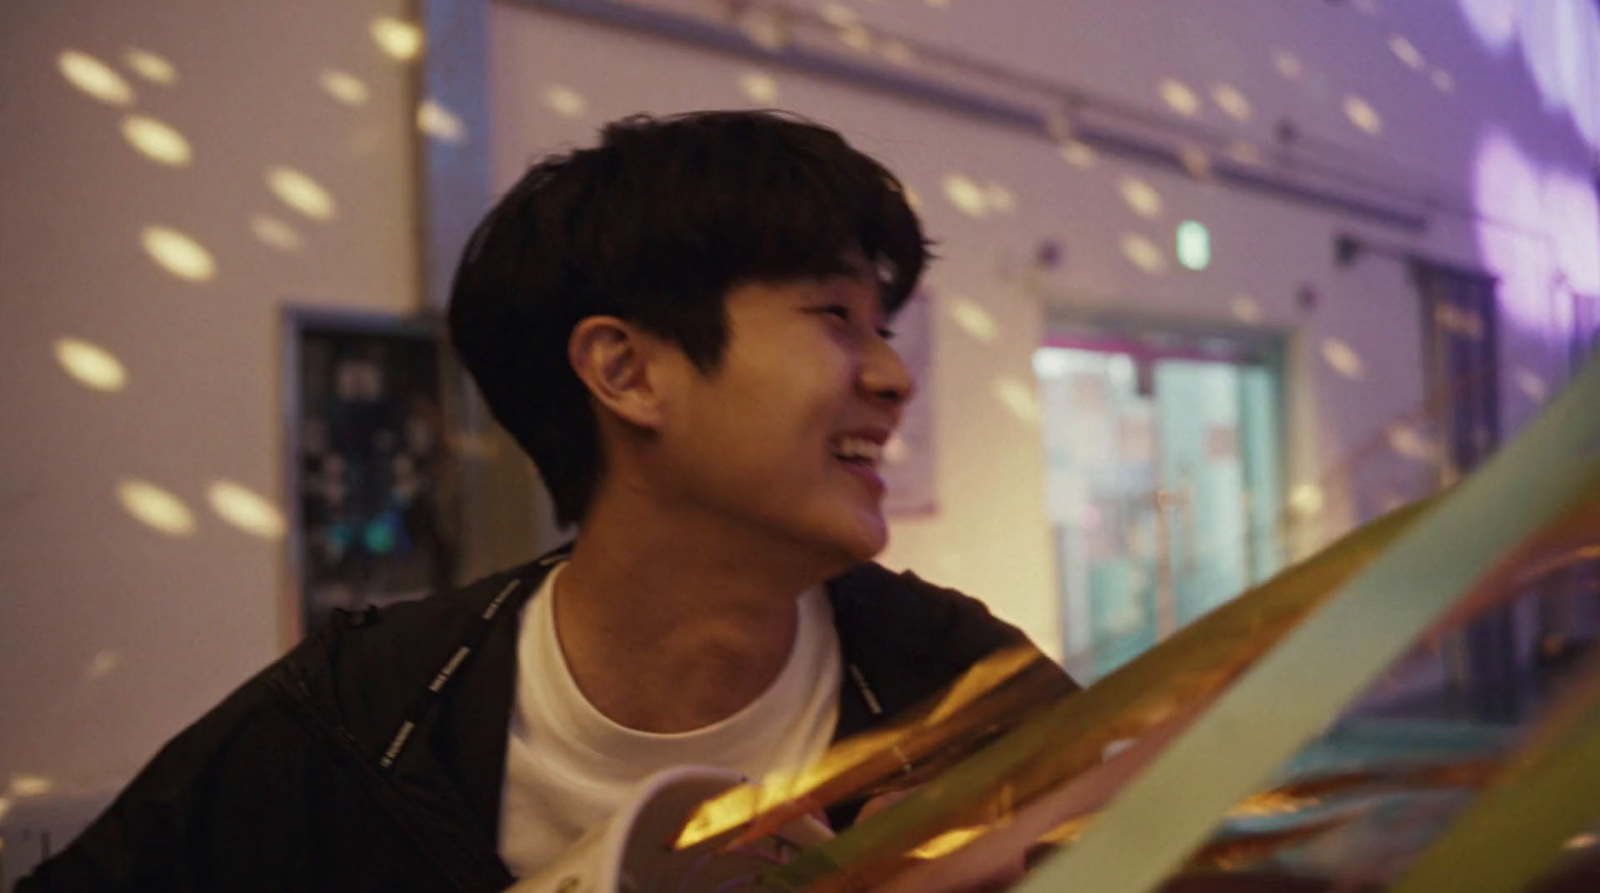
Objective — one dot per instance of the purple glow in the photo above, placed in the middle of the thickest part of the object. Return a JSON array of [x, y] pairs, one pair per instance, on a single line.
[[1572, 214], [1560, 44], [1507, 189], [1553, 47], [1494, 21], [1583, 75]]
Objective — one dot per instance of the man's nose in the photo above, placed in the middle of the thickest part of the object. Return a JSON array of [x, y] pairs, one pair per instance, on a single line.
[[885, 376]]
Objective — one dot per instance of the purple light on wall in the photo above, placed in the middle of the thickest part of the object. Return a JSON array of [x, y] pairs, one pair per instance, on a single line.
[[1494, 21], [1560, 44], [1581, 70], [1572, 215], [1557, 45], [1507, 192]]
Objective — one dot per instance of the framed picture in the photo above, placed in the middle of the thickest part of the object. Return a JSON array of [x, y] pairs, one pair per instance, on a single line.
[[375, 508]]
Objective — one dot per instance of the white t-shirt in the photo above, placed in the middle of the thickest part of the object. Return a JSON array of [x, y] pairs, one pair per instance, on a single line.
[[568, 766]]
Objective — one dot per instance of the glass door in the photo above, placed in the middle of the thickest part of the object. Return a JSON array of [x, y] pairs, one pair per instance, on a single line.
[[1163, 487]]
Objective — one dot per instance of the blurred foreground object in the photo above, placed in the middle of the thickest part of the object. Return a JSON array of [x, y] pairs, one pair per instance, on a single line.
[[1228, 758], [1200, 790]]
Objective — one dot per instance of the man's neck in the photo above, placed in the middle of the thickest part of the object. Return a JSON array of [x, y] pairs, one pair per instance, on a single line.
[[668, 625]]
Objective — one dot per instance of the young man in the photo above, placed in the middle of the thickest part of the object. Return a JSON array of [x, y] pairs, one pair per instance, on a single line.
[[685, 328]]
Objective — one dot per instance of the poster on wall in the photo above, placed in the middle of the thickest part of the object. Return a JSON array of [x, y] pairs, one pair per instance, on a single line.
[[908, 466], [375, 512]]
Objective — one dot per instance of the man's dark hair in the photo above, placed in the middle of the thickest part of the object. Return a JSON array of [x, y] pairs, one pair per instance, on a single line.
[[655, 226]]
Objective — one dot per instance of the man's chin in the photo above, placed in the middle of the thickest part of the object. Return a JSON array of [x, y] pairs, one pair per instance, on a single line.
[[867, 544]]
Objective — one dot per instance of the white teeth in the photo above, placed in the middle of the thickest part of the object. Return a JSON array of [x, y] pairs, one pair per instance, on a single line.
[[858, 449]]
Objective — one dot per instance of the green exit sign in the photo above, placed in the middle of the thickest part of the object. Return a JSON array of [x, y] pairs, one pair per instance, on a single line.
[[1194, 245]]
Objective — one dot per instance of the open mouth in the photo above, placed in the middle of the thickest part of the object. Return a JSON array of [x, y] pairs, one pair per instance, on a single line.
[[858, 451]]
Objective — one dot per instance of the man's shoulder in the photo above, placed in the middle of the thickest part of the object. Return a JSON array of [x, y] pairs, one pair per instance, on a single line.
[[365, 669], [902, 612]]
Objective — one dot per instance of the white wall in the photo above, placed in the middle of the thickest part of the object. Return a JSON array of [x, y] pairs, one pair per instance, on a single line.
[[989, 537], [113, 635]]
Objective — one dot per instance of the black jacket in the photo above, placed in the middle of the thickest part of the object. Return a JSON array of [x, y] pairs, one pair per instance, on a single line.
[[371, 756]]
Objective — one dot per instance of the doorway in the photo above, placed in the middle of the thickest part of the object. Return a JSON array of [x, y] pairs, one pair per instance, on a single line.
[[1164, 482]]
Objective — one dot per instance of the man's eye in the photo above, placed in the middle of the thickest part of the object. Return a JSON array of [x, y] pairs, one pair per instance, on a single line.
[[843, 312]]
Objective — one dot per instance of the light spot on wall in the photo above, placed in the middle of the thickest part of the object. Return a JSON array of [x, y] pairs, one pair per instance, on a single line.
[[897, 52], [764, 28], [565, 101], [245, 510], [1288, 64], [839, 15], [759, 87], [1143, 253], [1572, 211], [1531, 384], [856, 37], [274, 232], [967, 197], [1494, 21], [5, 807], [151, 67], [102, 665], [1306, 500], [1077, 154], [26, 785], [1443, 81], [1521, 203], [156, 508], [1231, 101], [1406, 52], [1506, 188], [1196, 161], [1018, 398], [1245, 309], [1343, 359], [1407, 441], [1245, 153], [1458, 321], [92, 365], [398, 39], [300, 192], [998, 198], [343, 86], [156, 140], [178, 254], [1179, 97], [1141, 197], [94, 78], [973, 319], [440, 123], [1363, 115]]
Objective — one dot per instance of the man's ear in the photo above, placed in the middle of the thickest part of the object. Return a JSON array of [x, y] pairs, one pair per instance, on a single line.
[[614, 360]]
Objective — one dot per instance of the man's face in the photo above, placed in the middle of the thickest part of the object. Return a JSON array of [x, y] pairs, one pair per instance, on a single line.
[[784, 439]]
